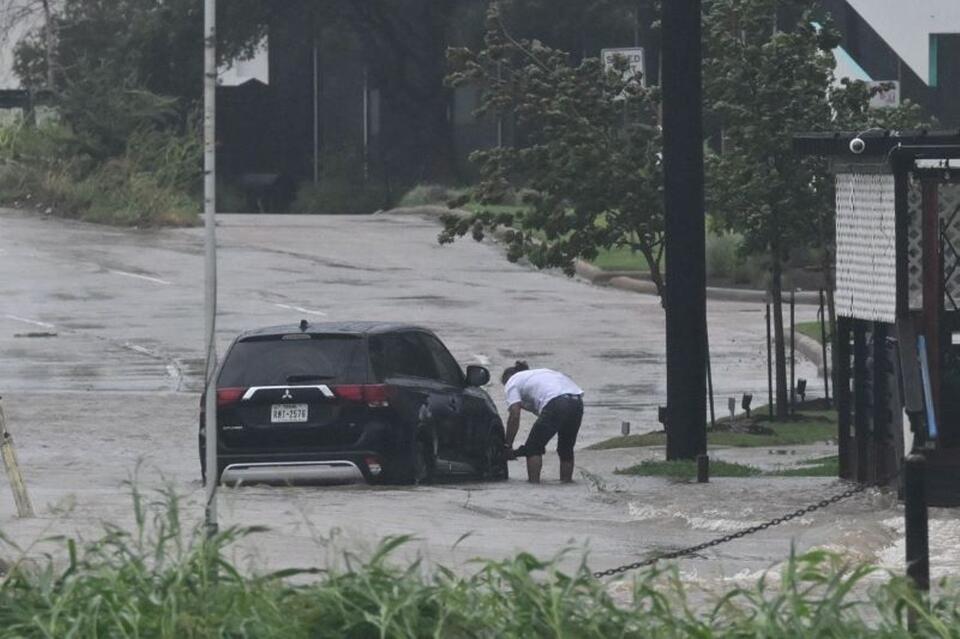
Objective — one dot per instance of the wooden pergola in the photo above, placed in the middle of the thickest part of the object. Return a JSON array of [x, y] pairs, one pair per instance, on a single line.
[[898, 301]]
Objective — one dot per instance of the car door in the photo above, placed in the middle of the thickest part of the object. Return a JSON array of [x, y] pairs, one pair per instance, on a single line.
[[454, 438], [422, 398]]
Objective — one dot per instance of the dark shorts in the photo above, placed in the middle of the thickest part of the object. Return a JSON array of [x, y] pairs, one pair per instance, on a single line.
[[560, 417]]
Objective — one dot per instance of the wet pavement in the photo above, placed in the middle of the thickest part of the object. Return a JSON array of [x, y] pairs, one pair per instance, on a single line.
[[101, 336]]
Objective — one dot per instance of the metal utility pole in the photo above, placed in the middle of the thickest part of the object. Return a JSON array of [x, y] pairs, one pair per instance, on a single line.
[[685, 243], [210, 246]]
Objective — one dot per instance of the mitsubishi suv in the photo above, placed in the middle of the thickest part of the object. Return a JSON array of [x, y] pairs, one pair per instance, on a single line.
[[351, 401]]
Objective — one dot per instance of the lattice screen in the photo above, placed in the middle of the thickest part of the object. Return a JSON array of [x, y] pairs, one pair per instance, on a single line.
[[866, 247], [949, 199]]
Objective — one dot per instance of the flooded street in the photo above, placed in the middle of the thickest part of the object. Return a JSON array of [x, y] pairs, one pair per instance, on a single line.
[[101, 335]]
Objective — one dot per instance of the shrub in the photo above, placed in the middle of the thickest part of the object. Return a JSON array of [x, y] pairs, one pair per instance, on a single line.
[[335, 195], [722, 254], [154, 183], [162, 580]]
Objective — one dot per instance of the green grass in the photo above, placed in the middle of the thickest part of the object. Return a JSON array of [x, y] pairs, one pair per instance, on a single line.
[[161, 581], [620, 259], [820, 467], [685, 469], [475, 207], [810, 329], [808, 427]]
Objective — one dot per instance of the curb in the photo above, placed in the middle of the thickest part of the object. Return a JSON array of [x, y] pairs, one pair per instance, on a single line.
[[618, 280], [810, 349]]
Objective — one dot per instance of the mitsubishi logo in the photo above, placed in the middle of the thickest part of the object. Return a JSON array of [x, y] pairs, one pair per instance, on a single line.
[[286, 394]]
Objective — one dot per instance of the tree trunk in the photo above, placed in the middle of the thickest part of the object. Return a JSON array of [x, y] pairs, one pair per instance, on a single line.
[[656, 276], [776, 288]]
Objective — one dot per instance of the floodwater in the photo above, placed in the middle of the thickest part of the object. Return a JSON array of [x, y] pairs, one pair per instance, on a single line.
[[106, 392]]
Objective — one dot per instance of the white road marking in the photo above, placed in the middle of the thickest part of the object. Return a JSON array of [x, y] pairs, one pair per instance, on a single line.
[[482, 359], [29, 321], [155, 280], [300, 309]]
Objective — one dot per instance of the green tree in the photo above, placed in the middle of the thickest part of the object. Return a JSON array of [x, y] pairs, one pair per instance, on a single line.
[[130, 63], [762, 86], [588, 151]]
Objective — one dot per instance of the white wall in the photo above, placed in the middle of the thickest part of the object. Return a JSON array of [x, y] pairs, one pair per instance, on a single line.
[[906, 26], [256, 68]]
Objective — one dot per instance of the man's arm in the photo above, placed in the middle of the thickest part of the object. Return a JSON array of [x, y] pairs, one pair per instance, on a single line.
[[513, 423]]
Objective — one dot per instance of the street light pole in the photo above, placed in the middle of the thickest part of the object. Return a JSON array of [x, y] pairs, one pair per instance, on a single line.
[[685, 241], [210, 253]]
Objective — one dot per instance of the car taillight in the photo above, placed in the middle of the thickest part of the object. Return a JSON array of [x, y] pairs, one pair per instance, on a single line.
[[227, 396], [373, 465], [373, 395]]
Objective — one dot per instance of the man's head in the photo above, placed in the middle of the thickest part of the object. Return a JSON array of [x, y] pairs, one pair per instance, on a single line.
[[509, 372]]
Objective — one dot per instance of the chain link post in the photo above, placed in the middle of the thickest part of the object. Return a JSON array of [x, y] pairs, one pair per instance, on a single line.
[[915, 525]]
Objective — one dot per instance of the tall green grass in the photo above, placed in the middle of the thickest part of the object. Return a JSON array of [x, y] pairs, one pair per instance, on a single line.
[[161, 580], [154, 182]]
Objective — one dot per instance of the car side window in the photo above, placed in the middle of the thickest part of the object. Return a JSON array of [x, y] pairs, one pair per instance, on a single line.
[[448, 370], [401, 355]]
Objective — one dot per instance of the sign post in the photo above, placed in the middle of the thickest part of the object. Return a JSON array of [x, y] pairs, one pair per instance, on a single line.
[[636, 65], [635, 62]]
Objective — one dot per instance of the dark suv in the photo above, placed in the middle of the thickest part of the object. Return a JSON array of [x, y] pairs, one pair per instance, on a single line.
[[342, 401]]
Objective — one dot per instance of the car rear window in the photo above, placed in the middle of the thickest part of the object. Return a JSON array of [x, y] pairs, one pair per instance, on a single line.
[[295, 359]]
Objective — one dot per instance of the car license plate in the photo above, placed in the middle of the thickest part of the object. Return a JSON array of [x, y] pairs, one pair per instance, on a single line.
[[286, 413]]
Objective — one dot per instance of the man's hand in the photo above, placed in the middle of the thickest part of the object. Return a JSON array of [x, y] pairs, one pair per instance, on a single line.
[[510, 453]]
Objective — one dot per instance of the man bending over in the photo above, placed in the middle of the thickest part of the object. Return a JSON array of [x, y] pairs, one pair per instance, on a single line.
[[558, 404]]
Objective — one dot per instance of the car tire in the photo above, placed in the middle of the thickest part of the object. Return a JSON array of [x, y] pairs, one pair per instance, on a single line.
[[493, 466]]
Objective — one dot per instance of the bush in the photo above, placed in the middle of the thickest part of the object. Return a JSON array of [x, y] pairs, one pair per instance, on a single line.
[[431, 195], [164, 581], [334, 195], [154, 183], [722, 254]]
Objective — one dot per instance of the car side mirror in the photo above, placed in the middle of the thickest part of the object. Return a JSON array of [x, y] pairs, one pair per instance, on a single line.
[[477, 375]]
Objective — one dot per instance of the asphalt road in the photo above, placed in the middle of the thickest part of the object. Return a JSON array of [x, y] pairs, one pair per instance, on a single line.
[[101, 335]]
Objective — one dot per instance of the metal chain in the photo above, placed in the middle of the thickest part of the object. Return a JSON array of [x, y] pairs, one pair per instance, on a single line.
[[692, 550]]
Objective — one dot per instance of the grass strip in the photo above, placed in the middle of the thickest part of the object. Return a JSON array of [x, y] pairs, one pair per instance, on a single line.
[[687, 469], [811, 330], [807, 427], [820, 467]]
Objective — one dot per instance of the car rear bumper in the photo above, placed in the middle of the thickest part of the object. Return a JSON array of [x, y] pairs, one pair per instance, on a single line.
[[331, 467]]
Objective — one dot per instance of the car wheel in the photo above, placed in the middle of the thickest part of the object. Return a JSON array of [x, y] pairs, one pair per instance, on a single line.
[[493, 466]]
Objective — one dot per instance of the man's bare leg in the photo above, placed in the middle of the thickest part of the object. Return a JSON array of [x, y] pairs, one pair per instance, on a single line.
[[534, 464], [566, 471]]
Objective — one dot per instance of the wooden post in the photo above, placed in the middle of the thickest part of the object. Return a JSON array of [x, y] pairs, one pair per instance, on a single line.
[[932, 285], [861, 405], [24, 507], [881, 436], [686, 302], [841, 393]]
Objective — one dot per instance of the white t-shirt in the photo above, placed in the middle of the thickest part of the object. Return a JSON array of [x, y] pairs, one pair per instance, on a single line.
[[534, 389]]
